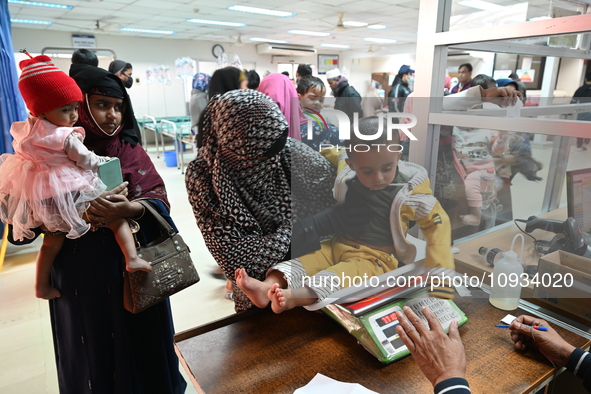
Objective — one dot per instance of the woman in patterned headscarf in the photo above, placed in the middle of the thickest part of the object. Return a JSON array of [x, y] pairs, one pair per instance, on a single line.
[[240, 185]]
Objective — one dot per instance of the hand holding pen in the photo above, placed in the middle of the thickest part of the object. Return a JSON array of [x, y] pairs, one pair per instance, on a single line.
[[539, 328], [543, 338]]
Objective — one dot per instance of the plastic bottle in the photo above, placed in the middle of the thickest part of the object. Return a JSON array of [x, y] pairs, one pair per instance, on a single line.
[[491, 255], [506, 282]]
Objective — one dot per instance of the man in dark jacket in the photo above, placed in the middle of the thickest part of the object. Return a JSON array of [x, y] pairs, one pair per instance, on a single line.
[[348, 99], [400, 89], [583, 96]]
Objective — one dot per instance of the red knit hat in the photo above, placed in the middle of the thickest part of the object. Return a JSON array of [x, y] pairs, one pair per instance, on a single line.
[[45, 87]]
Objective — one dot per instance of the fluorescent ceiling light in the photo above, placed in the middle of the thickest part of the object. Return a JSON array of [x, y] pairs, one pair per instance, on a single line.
[[147, 31], [208, 22], [335, 46], [29, 21], [377, 27], [354, 24], [539, 18], [50, 5], [481, 5], [309, 33], [263, 11], [380, 40], [268, 40]]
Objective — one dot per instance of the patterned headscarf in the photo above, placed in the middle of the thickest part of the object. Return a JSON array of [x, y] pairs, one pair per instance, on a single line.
[[242, 201], [201, 82]]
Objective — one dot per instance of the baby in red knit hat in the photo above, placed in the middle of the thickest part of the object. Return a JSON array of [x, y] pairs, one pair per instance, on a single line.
[[51, 178]]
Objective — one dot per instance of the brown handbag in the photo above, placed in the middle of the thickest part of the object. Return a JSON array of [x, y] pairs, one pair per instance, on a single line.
[[172, 268]]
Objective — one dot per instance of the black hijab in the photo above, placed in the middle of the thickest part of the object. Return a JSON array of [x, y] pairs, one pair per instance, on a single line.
[[224, 80], [95, 80]]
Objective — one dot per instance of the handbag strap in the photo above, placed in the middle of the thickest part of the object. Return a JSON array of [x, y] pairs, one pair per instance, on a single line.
[[161, 221]]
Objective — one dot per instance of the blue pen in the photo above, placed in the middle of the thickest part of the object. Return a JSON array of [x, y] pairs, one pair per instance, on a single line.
[[539, 328]]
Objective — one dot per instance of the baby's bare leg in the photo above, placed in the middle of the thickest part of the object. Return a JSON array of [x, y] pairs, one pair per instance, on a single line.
[[126, 242], [286, 299], [474, 216], [257, 291], [52, 244]]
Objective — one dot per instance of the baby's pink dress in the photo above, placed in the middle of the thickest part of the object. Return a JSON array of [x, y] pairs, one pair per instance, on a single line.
[[49, 180]]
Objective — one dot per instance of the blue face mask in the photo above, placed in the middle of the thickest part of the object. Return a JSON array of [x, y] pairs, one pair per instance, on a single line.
[[411, 79]]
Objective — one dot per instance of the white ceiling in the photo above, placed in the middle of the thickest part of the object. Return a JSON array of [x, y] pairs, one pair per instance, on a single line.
[[401, 17]]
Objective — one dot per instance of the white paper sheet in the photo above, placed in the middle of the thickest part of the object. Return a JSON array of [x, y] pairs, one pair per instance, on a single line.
[[321, 384]]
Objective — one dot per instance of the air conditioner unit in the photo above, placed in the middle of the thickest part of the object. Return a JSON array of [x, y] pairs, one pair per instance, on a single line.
[[285, 50]]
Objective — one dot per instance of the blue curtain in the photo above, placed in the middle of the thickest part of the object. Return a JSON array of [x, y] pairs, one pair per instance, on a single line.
[[12, 106]]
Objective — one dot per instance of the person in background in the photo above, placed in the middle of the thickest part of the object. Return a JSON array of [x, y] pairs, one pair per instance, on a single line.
[[85, 56], [286, 74], [464, 78], [199, 98], [583, 96], [484, 81], [280, 88], [311, 92], [400, 89], [372, 102], [442, 358], [254, 80], [348, 100], [520, 85], [304, 70], [124, 71], [506, 82], [447, 86], [226, 79]]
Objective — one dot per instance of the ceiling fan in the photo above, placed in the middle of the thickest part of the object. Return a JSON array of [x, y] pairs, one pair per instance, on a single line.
[[237, 40], [339, 27], [374, 50], [99, 26]]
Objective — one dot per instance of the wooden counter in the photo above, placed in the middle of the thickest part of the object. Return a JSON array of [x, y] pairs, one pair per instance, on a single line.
[[259, 353]]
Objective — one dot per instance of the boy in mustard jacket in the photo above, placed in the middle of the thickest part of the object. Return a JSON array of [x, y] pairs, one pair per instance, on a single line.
[[397, 193]]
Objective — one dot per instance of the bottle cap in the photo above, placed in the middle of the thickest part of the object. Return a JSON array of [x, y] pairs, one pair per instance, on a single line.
[[482, 250]]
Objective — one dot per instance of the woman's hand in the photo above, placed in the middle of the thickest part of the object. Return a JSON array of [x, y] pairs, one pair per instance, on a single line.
[[113, 204], [121, 189]]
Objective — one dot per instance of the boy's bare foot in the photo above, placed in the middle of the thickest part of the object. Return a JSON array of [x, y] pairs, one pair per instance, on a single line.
[[254, 289], [137, 264], [279, 298], [46, 292], [470, 220]]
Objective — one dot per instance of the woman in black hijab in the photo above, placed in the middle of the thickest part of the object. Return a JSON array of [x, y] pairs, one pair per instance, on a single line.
[[99, 346], [226, 79]]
